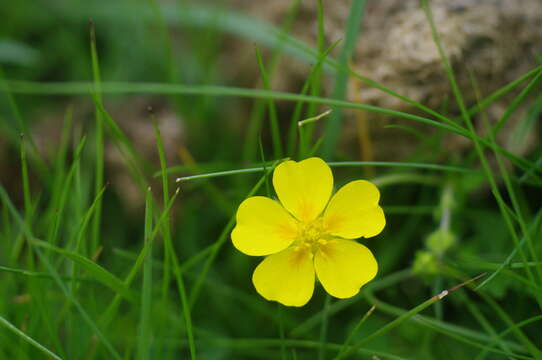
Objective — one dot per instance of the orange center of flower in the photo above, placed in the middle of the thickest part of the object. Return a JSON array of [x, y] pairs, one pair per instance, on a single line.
[[311, 235]]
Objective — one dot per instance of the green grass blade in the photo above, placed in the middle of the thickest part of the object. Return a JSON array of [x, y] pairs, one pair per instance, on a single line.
[[353, 26], [86, 317], [221, 240], [323, 328], [145, 325], [435, 167], [169, 251], [109, 314], [96, 271], [28, 339], [99, 139], [402, 318], [489, 174], [355, 330], [273, 119]]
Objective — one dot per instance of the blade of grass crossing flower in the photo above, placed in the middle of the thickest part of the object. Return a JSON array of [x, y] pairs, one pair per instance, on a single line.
[[218, 197], [154, 88], [218, 244], [28, 339], [170, 257], [335, 164], [49, 267], [273, 119], [145, 325], [466, 118], [353, 26]]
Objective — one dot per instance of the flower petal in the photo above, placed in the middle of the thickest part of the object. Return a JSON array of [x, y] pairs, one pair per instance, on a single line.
[[303, 187], [344, 266], [263, 227], [286, 277], [354, 212]]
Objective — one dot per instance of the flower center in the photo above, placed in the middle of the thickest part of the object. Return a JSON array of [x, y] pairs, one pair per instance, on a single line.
[[311, 235]]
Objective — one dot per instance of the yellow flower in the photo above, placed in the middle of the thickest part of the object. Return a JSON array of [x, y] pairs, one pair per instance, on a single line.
[[306, 234]]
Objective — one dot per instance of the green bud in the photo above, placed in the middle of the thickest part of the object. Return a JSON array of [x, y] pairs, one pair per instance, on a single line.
[[425, 263], [440, 241]]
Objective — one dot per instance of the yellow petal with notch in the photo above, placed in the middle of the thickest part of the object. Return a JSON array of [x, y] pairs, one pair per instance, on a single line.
[[304, 187], [263, 227], [286, 277], [344, 266], [354, 212]]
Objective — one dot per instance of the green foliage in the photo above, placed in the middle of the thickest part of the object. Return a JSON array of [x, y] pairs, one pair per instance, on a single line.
[[84, 276]]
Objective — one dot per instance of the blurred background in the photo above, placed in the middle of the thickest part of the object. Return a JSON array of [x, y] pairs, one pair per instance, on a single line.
[[226, 83]]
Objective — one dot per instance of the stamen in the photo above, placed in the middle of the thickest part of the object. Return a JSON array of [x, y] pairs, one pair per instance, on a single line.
[[311, 235]]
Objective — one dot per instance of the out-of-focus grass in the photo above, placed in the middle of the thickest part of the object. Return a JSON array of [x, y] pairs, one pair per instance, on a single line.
[[83, 278]]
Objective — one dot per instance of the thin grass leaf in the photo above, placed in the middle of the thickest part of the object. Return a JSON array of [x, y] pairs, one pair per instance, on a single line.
[[351, 33], [323, 328], [407, 315], [435, 167], [86, 317], [154, 88], [273, 119], [99, 139], [221, 240], [355, 330], [96, 271], [507, 331], [111, 311], [489, 174], [145, 325], [28, 339], [165, 197], [169, 251]]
